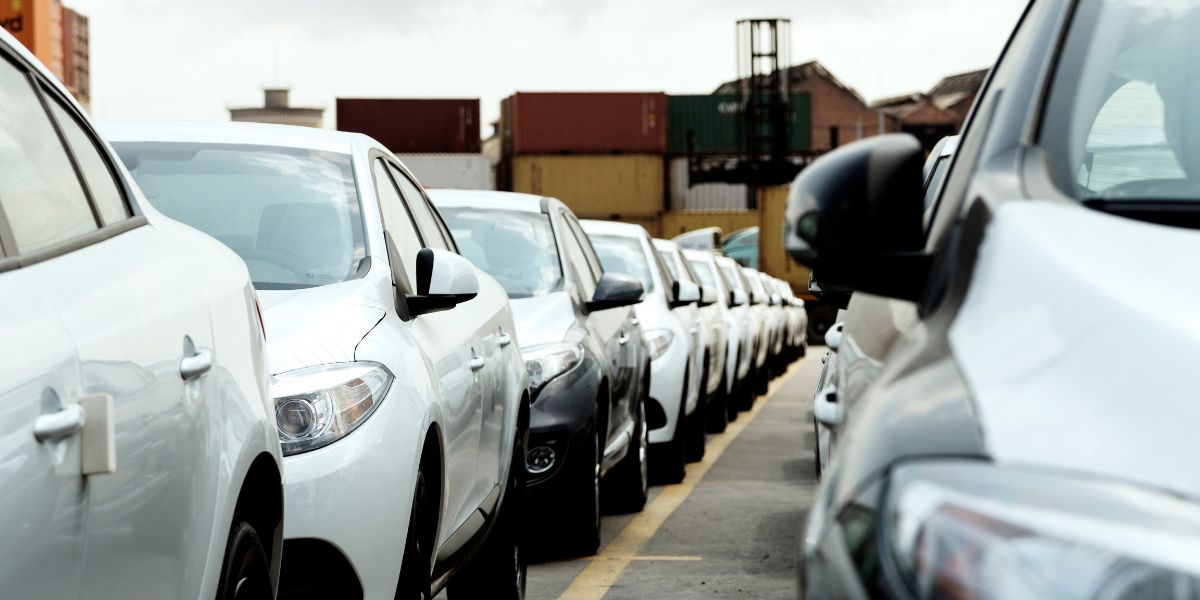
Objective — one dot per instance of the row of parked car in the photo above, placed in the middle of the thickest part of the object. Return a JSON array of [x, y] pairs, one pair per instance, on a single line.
[[978, 436], [379, 392]]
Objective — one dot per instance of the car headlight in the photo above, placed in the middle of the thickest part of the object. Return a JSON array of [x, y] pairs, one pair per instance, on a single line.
[[963, 530], [545, 362], [657, 342], [317, 406]]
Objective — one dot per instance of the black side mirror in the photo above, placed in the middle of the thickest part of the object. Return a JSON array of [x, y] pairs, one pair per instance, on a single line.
[[615, 290], [855, 216]]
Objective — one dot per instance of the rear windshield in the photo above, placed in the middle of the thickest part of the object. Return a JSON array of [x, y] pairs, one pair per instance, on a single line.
[[517, 248], [623, 255], [291, 214]]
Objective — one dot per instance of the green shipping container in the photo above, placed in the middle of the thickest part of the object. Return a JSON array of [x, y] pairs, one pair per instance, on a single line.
[[716, 124]]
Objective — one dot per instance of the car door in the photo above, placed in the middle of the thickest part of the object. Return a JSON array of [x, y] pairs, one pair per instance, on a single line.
[[610, 326], [483, 317], [43, 494], [447, 341], [142, 328]]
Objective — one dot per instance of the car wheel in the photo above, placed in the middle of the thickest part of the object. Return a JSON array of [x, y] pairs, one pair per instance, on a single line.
[[581, 536], [417, 567], [695, 424], [762, 381], [498, 570], [668, 462], [246, 572], [718, 409], [629, 482]]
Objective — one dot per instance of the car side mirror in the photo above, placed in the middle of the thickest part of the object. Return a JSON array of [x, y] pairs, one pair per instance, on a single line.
[[856, 215], [685, 293], [708, 296], [444, 280], [737, 298], [833, 337], [615, 290]]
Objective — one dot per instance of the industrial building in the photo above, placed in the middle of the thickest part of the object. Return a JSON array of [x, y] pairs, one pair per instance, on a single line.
[[57, 36], [276, 110]]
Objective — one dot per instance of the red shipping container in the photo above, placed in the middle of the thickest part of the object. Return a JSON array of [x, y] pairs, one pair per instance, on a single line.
[[414, 125], [586, 123]]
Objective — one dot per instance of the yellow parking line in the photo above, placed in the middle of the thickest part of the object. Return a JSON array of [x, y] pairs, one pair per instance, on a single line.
[[607, 566]]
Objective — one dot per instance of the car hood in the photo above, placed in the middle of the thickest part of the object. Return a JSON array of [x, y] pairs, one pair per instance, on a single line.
[[318, 325], [1078, 340], [543, 319]]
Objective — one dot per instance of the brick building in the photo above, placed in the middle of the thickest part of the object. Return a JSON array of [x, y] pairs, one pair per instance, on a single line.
[[839, 113], [937, 113], [57, 36]]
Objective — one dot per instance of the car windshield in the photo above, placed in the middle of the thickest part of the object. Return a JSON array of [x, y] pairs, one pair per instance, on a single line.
[[291, 214], [1117, 124], [704, 272], [624, 255], [515, 247]]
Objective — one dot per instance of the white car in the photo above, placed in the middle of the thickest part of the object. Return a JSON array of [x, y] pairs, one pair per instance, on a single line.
[[714, 333], [400, 395], [730, 306], [778, 321], [675, 367], [760, 302], [744, 312], [139, 452], [797, 339]]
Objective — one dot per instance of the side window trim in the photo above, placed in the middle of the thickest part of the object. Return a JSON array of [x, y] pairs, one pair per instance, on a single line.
[[397, 171], [48, 95], [387, 168], [40, 92]]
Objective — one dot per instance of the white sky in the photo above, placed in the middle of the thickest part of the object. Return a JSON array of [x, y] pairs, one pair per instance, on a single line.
[[174, 59]]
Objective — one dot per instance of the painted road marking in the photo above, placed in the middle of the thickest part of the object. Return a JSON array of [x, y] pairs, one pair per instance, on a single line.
[[607, 566]]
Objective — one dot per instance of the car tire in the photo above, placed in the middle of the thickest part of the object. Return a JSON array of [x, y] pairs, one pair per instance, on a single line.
[[417, 566], [717, 412], [695, 423], [499, 569], [245, 572], [627, 486], [762, 382], [581, 518], [668, 460]]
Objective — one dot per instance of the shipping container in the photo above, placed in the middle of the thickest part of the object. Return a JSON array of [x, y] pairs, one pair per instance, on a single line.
[[407, 125], [773, 258], [584, 123], [451, 171], [627, 185], [702, 196], [715, 124]]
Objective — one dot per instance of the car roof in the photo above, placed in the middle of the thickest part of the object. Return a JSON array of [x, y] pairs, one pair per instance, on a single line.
[[617, 228], [223, 132], [704, 255], [665, 244], [487, 199]]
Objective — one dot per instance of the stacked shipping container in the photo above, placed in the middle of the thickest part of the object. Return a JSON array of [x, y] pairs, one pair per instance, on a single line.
[[438, 139], [600, 153]]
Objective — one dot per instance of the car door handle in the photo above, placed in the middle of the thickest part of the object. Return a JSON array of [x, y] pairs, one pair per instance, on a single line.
[[195, 361], [57, 425], [477, 363], [624, 339], [503, 339], [634, 322]]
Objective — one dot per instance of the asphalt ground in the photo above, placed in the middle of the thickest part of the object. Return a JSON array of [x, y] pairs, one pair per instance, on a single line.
[[731, 529]]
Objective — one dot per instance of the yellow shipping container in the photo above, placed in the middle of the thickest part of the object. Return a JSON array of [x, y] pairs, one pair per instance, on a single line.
[[623, 185], [772, 258]]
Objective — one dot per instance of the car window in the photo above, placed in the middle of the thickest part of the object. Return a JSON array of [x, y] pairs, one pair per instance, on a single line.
[[585, 244], [40, 191], [732, 278], [106, 192], [427, 222], [516, 248], [397, 221], [292, 214], [670, 264], [1118, 124], [687, 268], [579, 264], [703, 270], [624, 255]]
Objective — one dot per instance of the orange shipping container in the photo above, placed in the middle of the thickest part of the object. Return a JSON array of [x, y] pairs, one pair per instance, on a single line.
[[600, 186]]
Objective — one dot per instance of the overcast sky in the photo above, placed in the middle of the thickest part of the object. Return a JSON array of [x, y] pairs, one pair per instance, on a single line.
[[166, 59]]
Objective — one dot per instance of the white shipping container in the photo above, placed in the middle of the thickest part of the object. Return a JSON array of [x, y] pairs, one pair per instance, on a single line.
[[451, 171], [703, 196]]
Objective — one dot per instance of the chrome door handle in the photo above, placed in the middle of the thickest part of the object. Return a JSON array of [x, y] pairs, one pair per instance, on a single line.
[[57, 425], [624, 339], [477, 363], [195, 361], [503, 339], [191, 367], [634, 322]]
